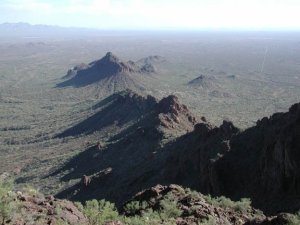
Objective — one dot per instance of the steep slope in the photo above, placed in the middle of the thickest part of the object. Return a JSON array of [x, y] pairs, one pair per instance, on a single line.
[[261, 162], [127, 109], [133, 158], [109, 73], [165, 146], [115, 113]]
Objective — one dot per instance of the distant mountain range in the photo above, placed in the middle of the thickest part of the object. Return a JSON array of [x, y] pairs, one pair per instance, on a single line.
[[26, 30]]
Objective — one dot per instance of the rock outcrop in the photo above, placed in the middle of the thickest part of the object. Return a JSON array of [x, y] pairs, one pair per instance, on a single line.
[[196, 208], [36, 209]]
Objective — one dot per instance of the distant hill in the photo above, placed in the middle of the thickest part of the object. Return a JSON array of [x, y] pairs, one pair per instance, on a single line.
[[204, 82], [210, 85], [111, 74]]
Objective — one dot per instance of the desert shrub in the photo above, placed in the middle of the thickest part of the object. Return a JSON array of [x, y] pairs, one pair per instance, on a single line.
[[79, 206], [30, 190], [241, 206], [210, 221], [193, 194], [166, 215], [169, 207], [135, 206], [99, 212], [7, 204], [294, 219], [61, 222]]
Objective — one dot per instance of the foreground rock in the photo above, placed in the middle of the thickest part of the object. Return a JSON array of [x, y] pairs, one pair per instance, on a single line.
[[33, 209], [196, 208]]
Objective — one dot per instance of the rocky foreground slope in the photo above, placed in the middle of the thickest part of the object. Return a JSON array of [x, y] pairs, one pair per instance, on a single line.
[[170, 204]]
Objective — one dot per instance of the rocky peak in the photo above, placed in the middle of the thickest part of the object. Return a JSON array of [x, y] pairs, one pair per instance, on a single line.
[[111, 57], [295, 109], [130, 96], [172, 114], [111, 64], [202, 128], [228, 127], [171, 105]]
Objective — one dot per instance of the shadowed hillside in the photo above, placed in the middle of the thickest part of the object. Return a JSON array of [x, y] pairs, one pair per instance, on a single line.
[[260, 162], [134, 157]]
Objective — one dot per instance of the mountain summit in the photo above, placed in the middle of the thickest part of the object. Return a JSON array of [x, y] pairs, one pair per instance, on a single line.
[[112, 65], [111, 74]]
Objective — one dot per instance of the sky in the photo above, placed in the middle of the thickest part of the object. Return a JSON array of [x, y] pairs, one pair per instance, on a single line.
[[156, 14]]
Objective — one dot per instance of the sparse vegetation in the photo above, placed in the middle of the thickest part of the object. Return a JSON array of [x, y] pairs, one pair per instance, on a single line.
[[99, 212], [135, 213], [242, 206], [8, 205], [294, 219], [169, 207]]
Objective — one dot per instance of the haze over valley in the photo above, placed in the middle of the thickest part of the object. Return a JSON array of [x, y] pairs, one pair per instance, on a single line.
[[136, 116]]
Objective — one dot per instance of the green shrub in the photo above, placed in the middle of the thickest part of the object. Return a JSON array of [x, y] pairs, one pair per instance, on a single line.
[[135, 206], [210, 221], [294, 219], [99, 212], [7, 204], [169, 208], [79, 206], [241, 206], [30, 190]]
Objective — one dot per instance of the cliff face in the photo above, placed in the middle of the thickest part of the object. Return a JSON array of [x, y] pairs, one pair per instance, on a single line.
[[279, 162], [261, 162]]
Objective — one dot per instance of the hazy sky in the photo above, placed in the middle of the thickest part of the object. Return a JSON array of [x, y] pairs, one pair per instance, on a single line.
[[155, 14]]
